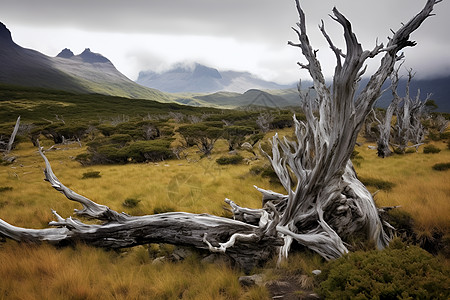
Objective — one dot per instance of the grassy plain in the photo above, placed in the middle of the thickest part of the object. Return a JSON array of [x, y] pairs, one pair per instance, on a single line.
[[83, 272], [193, 185]]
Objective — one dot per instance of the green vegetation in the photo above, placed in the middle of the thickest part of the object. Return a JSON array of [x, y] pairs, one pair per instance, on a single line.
[[230, 160], [236, 135], [377, 183], [431, 149], [399, 272], [441, 166], [131, 202], [37, 104], [91, 174], [5, 188], [116, 134], [203, 135]]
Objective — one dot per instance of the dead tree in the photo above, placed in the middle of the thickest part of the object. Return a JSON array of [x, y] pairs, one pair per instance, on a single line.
[[325, 203], [13, 136], [409, 112], [9, 146], [385, 126]]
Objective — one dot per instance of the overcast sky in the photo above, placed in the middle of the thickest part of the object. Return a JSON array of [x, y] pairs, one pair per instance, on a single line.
[[244, 35]]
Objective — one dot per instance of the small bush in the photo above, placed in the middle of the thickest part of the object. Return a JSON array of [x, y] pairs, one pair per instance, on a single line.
[[5, 162], [268, 172], [5, 188], [91, 174], [410, 150], [441, 166], [131, 202], [229, 160], [399, 151], [256, 170], [398, 272], [431, 149], [377, 183], [355, 155]]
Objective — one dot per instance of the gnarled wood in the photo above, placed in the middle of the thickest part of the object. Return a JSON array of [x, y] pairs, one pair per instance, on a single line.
[[246, 244], [325, 203]]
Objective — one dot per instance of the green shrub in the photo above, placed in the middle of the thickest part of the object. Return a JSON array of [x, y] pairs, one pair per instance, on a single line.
[[398, 272], [5, 188], [120, 139], [282, 121], [399, 151], [445, 135], [441, 166], [355, 155], [130, 202], [377, 183], [229, 160], [431, 149], [410, 150], [141, 151], [102, 151], [256, 170], [268, 172], [84, 158], [91, 174]]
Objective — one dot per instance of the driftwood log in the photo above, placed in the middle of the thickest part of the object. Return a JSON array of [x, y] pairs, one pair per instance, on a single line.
[[325, 204]]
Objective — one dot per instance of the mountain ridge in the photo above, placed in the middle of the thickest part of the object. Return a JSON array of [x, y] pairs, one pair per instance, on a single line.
[[87, 72], [194, 84]]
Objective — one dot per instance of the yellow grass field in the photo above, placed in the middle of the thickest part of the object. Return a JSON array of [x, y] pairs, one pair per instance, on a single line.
[[83, 272]]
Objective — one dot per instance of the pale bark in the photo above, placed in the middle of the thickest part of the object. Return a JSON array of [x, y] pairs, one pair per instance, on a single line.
[[325, 204], [13, 136], [409, 113]]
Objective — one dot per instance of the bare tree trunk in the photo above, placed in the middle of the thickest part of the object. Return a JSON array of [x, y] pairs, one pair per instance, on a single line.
[[409, 112], [325, 204], [246, 244], [13, 136]]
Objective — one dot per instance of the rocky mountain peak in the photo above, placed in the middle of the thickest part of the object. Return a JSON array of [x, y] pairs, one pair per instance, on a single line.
[[5, 35], [90, 57], [204, 71], [65, 53]]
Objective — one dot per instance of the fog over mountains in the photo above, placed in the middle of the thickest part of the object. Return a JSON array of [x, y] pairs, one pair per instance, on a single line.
[[197, 78], [190, 84]]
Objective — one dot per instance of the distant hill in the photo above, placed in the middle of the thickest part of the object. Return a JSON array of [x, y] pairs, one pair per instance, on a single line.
[[87, 72], [198, 78]]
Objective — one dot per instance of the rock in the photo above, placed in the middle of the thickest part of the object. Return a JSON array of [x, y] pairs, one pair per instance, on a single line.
[[216, 259], [65, 53], [247, 146], [159, 260], [180, 253], [316, 272], [256, 279]]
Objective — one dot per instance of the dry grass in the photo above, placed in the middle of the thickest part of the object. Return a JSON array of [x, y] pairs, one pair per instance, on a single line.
[[419, 190], [44, 272], [82, 272]]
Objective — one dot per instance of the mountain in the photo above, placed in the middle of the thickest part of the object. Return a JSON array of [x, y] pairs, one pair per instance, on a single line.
[[87, 72], [198, 78], [250, 98]]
